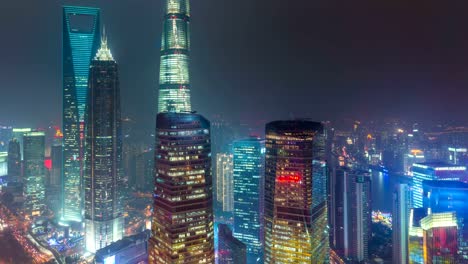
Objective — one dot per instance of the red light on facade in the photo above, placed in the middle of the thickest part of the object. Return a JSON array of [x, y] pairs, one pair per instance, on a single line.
[[288, 179], [48, 163]]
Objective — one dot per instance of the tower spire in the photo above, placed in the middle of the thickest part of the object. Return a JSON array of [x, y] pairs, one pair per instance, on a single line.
[[174, 75], [104, 53]]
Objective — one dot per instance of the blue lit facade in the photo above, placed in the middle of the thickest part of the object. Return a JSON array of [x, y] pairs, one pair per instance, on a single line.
[[248, 173], [448, 196], [433, 171], [80, 43]]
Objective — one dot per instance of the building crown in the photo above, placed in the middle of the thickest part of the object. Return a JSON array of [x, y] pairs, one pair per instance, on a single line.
[[104, 53]]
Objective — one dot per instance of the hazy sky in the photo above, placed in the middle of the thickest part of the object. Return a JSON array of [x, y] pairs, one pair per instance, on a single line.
[[256, 59]]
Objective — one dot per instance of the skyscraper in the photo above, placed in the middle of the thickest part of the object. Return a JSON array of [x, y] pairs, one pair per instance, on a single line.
[[34, 173], [103, 154], [6, 134], [182, 228], [80, 43], [19, 133], [440, 231], [174, 76], [400, 227], [448, 196], [248, 195], [360, 216], [224, 181], [351, 214], [14, 160], [288, 191], [230, 249], [429, 171]]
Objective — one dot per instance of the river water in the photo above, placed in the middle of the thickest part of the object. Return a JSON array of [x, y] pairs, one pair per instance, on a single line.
[[383, 185]]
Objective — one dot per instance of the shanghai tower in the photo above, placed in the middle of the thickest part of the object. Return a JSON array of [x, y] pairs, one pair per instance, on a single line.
[[174, 78], [80, 43], [182, 227]]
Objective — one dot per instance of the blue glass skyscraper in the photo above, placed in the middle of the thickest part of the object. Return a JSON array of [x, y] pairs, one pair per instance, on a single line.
[[80, 43], [248, 195]]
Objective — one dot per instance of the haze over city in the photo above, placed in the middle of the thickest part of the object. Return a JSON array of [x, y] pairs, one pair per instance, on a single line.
[[233, 132]]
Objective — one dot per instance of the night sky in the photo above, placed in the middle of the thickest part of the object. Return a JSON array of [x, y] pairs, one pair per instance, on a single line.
[[256, 59]]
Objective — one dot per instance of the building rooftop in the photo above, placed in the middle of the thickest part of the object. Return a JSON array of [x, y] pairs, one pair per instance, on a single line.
[[446, 184], [114, 248], [438, 164]]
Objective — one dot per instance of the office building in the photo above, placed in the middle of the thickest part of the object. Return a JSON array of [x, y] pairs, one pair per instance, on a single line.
[[34, 173], [14, 160], [248, 161], [414, 156], [224, 182], [400, 222], [230, 249], [434, 171], [19, 133], [288, 191], [440, 232], [103, 181], [80, 44], [457, 155], [6, 134], [448, 196], [174, 76], [3, 164], [182, 228]]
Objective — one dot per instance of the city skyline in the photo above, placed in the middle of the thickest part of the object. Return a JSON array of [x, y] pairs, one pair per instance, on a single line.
[[273, 133], [421, 67]]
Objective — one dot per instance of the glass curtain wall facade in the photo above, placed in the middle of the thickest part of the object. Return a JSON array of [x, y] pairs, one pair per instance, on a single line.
[[80, 43], [224, 181], [34, 173], [103, 181], [14, 160], [174, 76], [248, 195], [182, 227], [288, 191]]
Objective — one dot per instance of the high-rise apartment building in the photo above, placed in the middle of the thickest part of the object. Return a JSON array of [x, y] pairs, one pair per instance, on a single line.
[[249, 157], [224, 182], [182, 228], [103, 181], [400, 223], [351, 214], [289, 220], [174, 76], [34, 173], [80, 43]]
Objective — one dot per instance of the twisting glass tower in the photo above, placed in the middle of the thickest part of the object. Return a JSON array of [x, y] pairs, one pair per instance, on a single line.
[[103, 154], [80, 43], [174, 77], [182, 226]]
